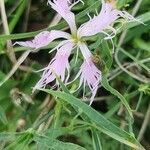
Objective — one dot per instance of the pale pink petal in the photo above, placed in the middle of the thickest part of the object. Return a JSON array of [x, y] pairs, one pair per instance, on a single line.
[[90, 75], [44, 38], [63, 7], [58, 65], [85, 51], [107, 16]]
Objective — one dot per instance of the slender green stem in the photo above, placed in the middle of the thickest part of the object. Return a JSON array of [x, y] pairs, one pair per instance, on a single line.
[[10, 50], [139, 101]]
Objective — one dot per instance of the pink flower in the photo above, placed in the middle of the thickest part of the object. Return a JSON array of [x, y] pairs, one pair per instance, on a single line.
[[58, 66], [104, 20], [89, 74]]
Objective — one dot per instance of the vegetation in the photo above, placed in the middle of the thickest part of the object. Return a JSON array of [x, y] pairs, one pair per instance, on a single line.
[[58, 118]]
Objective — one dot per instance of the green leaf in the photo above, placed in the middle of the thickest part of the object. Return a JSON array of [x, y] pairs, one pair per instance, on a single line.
[[137, 32], [101, 122], [144, 45], [122, 3], [53, 144], [106, 85], [96, 140], [108, 54], [3, 117], [17, 15]]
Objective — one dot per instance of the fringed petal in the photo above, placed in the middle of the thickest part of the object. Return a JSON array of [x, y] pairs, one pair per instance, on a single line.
[[44, 38], [107, 16], [85, 51], [63, 7], [58, 65], [90, 75]]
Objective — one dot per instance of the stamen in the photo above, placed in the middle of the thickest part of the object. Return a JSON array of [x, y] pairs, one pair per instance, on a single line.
[[89, 16], [76, 3], [113, 31], [84, 89], [36, 71], [77, 54]]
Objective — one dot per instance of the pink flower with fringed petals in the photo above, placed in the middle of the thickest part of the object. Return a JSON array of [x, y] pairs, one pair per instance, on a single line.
[[89, 74]]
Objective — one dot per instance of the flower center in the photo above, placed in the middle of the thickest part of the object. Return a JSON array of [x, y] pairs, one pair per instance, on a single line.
[[76, 39]]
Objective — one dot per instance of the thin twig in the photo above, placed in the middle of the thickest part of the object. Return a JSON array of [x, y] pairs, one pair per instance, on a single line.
[[16, 66], [55, 20], [145, 124], [10, 52]]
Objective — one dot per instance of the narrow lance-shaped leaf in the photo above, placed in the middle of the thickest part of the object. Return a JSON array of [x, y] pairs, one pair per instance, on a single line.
[[102, 123], [96, 140], [54, 144]]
